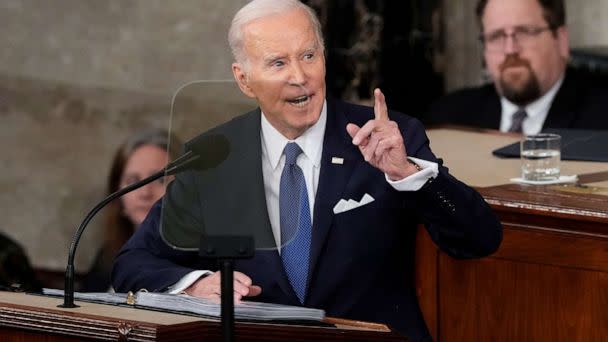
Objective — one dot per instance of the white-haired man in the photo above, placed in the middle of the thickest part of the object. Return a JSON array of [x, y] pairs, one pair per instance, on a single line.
[[338, 188]]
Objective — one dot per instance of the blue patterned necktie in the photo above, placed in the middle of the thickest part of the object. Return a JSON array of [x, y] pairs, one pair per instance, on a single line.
[[518, 120], [296, 225]]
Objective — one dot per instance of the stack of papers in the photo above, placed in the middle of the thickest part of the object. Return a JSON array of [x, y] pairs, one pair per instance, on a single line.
[[245, 310]]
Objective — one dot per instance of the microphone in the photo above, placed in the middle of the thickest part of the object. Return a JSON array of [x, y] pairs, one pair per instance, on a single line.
[[202, 153]]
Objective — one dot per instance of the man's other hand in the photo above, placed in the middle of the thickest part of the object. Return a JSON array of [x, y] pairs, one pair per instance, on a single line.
[[210, 287]]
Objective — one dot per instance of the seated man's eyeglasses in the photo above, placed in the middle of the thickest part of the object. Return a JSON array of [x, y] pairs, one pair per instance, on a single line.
[[523, 36]]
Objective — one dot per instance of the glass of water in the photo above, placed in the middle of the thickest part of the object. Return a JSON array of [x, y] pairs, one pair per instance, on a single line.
[[540, 157]]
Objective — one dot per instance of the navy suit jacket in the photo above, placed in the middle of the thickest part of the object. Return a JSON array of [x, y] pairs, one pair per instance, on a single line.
[[361, 263], [580, 103]]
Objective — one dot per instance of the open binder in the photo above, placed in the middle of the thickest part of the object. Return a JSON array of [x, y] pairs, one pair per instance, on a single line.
[[185, 304]]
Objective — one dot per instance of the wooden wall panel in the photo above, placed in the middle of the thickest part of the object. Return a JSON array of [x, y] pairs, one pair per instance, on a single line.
[[426, 277], [503, 300]]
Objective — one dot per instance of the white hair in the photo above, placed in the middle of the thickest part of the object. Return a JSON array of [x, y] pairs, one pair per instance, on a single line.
[[258, 9]]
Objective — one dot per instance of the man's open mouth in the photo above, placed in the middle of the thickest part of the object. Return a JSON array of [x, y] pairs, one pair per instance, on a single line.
[[300, 101]]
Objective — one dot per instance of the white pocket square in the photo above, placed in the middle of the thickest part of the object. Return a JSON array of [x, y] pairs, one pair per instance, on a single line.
[[344, 205]]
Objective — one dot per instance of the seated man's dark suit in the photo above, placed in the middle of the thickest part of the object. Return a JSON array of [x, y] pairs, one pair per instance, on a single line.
[[361, 263], [581, 102]]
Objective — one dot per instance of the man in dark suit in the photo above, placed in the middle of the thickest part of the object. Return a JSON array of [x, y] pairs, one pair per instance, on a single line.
[[342, 209], [526, 51]]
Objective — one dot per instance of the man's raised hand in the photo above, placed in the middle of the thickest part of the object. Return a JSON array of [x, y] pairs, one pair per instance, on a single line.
[[381, 143]]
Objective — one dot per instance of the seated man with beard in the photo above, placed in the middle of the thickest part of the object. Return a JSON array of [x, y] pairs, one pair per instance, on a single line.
[[526, 52]]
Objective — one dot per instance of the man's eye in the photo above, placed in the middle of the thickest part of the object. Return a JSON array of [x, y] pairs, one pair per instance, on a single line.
[[278, 64], [524, 31], [309, 56], [495, 36]]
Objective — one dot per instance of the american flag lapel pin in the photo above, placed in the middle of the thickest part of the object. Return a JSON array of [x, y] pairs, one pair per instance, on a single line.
[[337, 160]]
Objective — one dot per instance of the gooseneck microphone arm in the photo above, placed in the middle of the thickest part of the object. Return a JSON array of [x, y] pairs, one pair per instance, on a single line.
[[180, 164]]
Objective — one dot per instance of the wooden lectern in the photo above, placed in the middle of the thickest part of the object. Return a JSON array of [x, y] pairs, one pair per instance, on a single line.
[[549, 279], [25, 317]]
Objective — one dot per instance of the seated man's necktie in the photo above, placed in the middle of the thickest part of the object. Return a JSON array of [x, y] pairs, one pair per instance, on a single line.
[[518, 120], [296, 224]]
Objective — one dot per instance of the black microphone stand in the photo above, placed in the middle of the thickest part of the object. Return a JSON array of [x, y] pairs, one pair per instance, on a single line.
[[225, 249], [174, 167]]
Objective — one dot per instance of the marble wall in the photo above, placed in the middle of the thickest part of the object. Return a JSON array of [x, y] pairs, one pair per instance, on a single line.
[[57, 141], [587, 22], [149, 45], [76, 77]]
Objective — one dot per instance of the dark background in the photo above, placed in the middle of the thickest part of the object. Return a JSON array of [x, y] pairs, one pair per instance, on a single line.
[[386, 44]]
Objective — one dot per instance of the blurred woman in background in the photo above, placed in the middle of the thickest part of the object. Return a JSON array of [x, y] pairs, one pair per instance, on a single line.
[[142, 155]]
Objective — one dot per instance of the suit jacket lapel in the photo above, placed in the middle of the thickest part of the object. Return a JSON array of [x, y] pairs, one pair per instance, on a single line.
[[242, 177], [333, 179], [268, 256], [243, 206], [561, 113], [492, 111]]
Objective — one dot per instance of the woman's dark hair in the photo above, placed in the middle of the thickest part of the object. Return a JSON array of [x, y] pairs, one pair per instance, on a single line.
[[118, 226], [553, 11]]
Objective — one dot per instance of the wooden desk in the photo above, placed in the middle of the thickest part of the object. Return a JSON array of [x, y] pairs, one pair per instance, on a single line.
[[549, 279], [36, 318], [468, 154]]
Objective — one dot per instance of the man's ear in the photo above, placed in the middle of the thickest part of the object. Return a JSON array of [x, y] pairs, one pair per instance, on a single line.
[[563, 40], [241, 79]]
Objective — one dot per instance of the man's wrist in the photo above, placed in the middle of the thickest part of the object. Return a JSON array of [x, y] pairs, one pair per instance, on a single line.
[[417, 178], [404, 172], [186, 281], [413, 163]]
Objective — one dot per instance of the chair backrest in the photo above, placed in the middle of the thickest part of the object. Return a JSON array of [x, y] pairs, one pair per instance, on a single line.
[[16, 273], [592, 59]]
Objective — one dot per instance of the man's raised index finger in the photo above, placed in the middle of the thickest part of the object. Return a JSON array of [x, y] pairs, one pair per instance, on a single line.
[[380, 110]]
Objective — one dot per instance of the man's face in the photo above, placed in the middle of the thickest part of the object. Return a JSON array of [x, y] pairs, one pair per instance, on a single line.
[[284, 71], [525, 67]]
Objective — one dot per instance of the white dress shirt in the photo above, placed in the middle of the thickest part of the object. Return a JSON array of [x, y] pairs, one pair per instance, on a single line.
[[537, 111], [273, 160]]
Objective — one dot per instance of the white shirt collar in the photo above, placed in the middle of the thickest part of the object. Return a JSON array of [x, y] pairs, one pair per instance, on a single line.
[[537, 111], [311, 142]]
